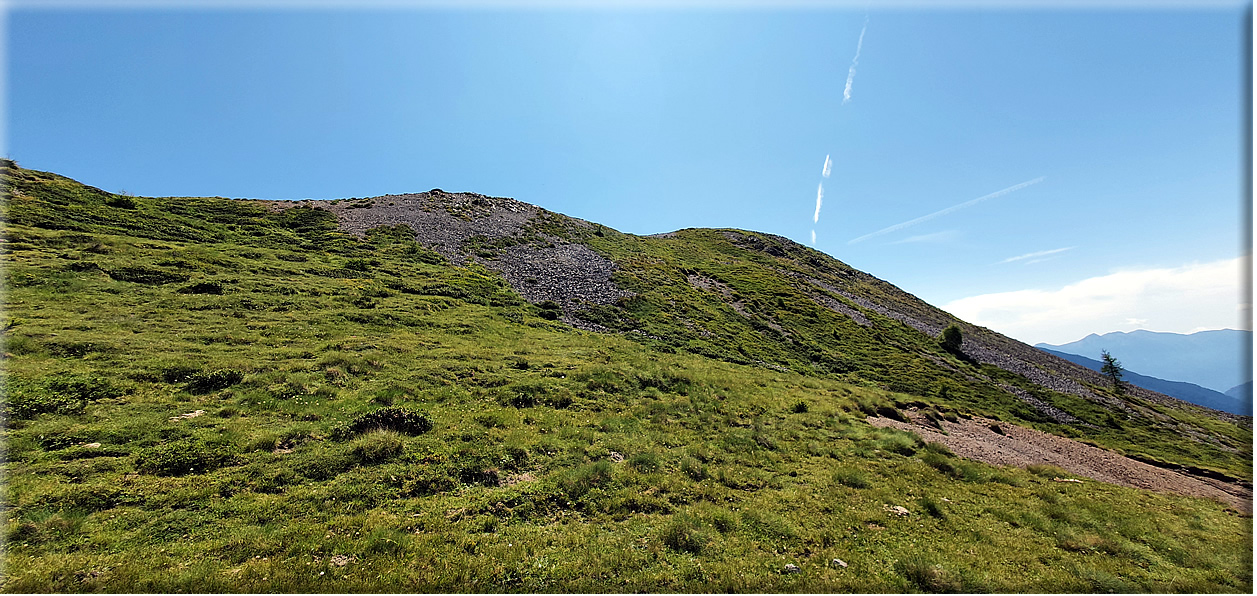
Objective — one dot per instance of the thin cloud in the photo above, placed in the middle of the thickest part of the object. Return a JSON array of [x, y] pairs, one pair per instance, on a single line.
[[935, 238], [1032, 255], [1178, 299], [820, 193], [846, 92], [925, 218], [828, 165], [813, 237]]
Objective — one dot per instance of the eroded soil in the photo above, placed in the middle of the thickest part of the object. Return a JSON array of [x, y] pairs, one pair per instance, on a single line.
[[1019, 446]]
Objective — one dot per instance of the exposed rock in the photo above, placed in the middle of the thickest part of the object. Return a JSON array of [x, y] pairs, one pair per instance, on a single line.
[[188, 415], [791, 568], [341, 560]]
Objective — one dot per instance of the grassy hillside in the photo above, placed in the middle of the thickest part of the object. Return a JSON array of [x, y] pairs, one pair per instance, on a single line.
[[210, 395]]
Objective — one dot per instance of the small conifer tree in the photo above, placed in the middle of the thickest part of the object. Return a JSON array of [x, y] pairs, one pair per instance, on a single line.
[[951, 338], [1112, 369]]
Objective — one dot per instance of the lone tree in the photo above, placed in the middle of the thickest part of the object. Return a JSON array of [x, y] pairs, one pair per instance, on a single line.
[[951, 338], [1113, 370]]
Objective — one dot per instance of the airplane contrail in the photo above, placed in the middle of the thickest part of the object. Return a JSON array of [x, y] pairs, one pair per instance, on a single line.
[[820, 192], [923, 218], [1042, 253], [828, 165], [846, 93]]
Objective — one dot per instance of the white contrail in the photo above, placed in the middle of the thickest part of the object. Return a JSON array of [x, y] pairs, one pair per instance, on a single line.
[[846, 93], [1042, 253], [828, 165], [813, 237], [900, 226], [820, 192]]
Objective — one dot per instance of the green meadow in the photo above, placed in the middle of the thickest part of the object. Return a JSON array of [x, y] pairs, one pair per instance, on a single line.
[[202, 395]]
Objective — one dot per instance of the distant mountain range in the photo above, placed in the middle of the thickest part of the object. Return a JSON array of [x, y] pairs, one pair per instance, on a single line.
[[1238, 403], [1218, 360]]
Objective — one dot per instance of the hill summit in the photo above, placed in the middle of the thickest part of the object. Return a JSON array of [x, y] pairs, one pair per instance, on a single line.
[[452, 392]]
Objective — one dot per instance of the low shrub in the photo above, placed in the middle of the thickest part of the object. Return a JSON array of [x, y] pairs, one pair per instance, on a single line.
[[182, 457], [203, 287], [377, 447], [943, 464], [322, 464], [939, 448], [399, 419], [927, 576], [549, 310], [933, 507], [693, 468], [684, 534], [644, 462], [575, 483], [902, 443], [208, 381], [851, 478]]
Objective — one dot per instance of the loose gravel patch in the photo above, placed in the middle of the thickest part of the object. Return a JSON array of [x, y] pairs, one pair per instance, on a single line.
[[1020, 446]]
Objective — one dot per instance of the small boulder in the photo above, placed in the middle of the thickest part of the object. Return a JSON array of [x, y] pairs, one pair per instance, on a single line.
[[839, 563], [791, 568]]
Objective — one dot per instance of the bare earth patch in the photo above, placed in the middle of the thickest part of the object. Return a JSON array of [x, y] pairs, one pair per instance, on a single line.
[[1019, 446]]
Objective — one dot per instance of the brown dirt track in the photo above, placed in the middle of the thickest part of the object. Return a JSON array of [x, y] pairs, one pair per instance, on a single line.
[[1020, 446]]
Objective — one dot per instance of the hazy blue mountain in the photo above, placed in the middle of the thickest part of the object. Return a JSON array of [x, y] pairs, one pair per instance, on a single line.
[[1218, 360], [1235, 404], [1242, 392]]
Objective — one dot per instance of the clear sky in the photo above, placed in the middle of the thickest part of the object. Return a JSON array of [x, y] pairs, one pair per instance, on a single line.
[[1121, 132]]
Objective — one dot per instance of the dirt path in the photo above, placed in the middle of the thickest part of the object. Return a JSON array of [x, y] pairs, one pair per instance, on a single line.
[[1020, 446]]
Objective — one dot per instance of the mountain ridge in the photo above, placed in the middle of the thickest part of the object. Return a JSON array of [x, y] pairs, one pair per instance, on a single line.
[[1211, 358], [1180, 389]]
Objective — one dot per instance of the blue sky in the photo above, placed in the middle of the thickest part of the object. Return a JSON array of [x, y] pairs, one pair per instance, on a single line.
[[651, 119]]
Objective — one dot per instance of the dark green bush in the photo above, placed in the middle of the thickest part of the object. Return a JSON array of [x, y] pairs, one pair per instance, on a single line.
[[205, 382], [550, 310], [121, 202], [951, 338], [890, 412], [178, 373], [400, 419], [800, 407], [203, 287], [182, 457]]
